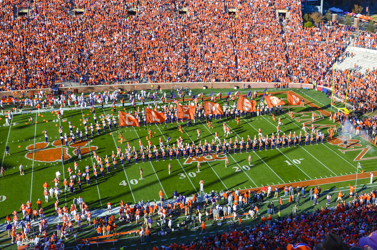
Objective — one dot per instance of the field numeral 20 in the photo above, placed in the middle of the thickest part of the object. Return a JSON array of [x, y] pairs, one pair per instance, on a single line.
[[295, 161], [246, 168], [190, 174]]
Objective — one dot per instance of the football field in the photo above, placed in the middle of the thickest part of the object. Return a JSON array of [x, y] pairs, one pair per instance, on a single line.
[[268, 167]]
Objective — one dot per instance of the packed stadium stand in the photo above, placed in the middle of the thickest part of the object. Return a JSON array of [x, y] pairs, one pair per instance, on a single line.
[[108, 43]]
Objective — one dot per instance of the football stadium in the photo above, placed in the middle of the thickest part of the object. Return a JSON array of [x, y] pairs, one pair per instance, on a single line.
[[188, 125]]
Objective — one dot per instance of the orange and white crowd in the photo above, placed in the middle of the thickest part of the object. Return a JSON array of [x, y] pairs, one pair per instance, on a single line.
[[104, 45]]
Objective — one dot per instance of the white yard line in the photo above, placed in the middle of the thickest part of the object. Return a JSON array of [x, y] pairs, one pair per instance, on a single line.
[[209, 163], [185, 170], [339, 156], [294, 122], [313, 99], [124, 170], [154, 170], [187, 176], [6, 143], [306, 152], [91, 158], [65, 192], [32, 164], [318, 161], [233, 158], [295, 164], [261, 157]]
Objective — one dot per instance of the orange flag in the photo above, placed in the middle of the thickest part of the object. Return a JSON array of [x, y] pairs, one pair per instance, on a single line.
[[293, 99], [126, 119], [186, 112], [154, 116], [212, 108], [273, 101], [246, 105]]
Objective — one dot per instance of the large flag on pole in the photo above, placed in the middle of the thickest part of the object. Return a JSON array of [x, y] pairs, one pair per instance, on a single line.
[[126, 119], [212, 108], [246, 105], [293, 99], [154, 116], [186, 112], [273, 101]]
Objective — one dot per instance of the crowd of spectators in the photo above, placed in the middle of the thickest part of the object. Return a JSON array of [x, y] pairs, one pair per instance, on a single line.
[[106, 44], [362, 88], [366, 40], [351, 222]]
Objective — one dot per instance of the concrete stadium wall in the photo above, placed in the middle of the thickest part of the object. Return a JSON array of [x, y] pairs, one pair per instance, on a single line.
[[148, 86]]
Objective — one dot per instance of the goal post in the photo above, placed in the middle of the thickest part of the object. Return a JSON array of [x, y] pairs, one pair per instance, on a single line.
[[339, 98]]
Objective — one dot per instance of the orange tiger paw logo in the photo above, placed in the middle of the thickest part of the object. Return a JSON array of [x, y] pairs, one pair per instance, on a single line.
[[339, 141], [51, 152]]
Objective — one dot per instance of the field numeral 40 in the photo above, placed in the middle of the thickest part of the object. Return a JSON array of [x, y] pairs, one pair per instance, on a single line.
[[133, 182], [295, 161]]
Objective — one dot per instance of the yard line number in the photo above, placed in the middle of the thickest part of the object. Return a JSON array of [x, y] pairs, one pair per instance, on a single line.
[[2, 198], [190, 174], [245, 167], [295, 161], [133, 182]]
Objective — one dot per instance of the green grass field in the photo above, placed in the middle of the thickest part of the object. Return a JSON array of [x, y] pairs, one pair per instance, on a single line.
[[269, 167]]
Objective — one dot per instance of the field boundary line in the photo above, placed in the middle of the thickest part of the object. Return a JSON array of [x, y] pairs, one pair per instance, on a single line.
[[150, 162], [209, 164], [32, 164], [261, 157], [124, 170], [91, 158]]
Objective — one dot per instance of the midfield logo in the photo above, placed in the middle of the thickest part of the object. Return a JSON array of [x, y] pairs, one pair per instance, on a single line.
[[207, 158], [44, 153]]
